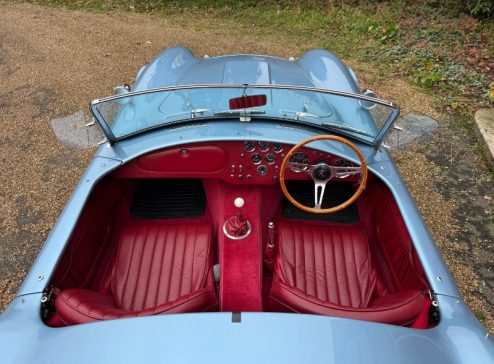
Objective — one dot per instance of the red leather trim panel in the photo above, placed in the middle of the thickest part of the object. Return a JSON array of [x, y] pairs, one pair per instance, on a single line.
[[394, 240], [199, 158]]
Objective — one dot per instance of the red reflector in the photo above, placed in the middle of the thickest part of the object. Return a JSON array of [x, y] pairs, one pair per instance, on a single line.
[[244, 102]]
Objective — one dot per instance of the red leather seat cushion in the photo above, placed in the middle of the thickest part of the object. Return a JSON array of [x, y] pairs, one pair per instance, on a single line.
[[158, 269], [328, 270]]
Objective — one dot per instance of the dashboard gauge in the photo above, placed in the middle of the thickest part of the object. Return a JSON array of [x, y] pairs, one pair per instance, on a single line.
[[256, 158], [270, 159], [263, 146], [299, 162], [342, 163], [277, 147], [249, 146], [262, 170]]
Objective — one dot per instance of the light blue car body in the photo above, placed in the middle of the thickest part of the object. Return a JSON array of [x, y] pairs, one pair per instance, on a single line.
[[259, 337]]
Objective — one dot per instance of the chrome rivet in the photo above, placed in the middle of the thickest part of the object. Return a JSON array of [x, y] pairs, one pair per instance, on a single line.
[[40, 278], [44, 299], [439, 278], [102, 165], [184, 151]]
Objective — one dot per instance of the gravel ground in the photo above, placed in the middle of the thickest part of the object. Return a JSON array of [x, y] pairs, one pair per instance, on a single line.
[[54, 61]]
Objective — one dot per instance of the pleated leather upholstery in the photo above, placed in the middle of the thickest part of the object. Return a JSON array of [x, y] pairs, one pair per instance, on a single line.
[[332, 265], [158, 269], [160, 263], [328, 270]]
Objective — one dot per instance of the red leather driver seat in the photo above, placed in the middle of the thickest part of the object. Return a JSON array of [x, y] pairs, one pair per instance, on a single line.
[[328, 270], [159, 268]]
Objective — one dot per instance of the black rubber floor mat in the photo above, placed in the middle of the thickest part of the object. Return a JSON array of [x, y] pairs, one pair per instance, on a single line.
[[335, 194], [169, 199]]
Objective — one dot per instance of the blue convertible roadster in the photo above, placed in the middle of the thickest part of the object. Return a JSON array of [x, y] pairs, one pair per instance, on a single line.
[[243, 209]]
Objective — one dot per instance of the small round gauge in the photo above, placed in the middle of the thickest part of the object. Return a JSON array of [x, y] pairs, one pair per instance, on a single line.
[[277, 147], [256, 158], [249, 146], [342, 163], [262, 170], [270, 158], [263, 146], [299, 157], [299, 162]]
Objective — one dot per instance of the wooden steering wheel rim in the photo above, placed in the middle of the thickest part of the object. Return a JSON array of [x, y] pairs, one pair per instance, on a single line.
[[330, 210]]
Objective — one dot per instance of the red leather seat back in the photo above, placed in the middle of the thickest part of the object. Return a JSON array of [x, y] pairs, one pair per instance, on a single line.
[[159, 263], [158, 269], [332, 265], [328, 270]]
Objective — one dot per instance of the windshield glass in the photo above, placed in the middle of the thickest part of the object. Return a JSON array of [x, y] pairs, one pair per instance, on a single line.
[[363, 118]]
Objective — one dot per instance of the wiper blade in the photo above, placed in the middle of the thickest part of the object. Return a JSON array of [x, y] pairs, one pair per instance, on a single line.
[[244, 114], [299, 114], [240, 112], [346, 127]]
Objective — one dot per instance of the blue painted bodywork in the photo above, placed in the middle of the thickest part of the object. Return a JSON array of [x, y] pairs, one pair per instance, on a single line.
[[259, 337]]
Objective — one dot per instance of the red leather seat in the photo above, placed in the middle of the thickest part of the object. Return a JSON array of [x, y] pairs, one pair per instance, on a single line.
[[158, 269], [328, 270]]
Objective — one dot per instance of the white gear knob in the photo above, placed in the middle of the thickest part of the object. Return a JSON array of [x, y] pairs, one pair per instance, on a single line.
[[239, 202]]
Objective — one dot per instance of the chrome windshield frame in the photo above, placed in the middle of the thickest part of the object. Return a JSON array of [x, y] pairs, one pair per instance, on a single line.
[[395, 111]]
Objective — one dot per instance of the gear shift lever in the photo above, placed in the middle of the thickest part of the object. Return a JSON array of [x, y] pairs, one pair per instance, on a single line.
[[239, 203], [237, 227]]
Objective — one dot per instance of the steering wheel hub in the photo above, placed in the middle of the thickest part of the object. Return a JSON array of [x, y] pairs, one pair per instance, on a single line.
[[322, 173]]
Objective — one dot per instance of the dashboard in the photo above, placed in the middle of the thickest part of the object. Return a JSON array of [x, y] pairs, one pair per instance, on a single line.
[[238, 162]]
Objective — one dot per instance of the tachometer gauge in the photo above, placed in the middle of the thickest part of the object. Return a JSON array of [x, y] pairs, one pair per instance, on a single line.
[[263, 146], [270, 159], [256, 158], [249, 146], [277, 147]]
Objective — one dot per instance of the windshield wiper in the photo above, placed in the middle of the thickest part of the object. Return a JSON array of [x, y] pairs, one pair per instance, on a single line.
[[346, 127], [244, 114], [299, 114], [240, 112]]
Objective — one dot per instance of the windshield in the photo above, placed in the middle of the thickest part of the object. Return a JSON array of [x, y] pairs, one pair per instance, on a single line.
[[362, 118]]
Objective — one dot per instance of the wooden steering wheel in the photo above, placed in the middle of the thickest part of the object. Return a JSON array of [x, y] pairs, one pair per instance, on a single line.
[[322, 173]]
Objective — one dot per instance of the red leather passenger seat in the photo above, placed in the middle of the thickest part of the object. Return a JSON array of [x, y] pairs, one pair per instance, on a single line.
[[328, 270], [159, 268]]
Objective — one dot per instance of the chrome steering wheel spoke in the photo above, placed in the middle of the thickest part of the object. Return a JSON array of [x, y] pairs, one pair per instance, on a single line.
[[343, 172], [300, 167], [319, 188]]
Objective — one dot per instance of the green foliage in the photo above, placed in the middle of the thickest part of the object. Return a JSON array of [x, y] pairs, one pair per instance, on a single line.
[[481, 8], [384, 33]]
